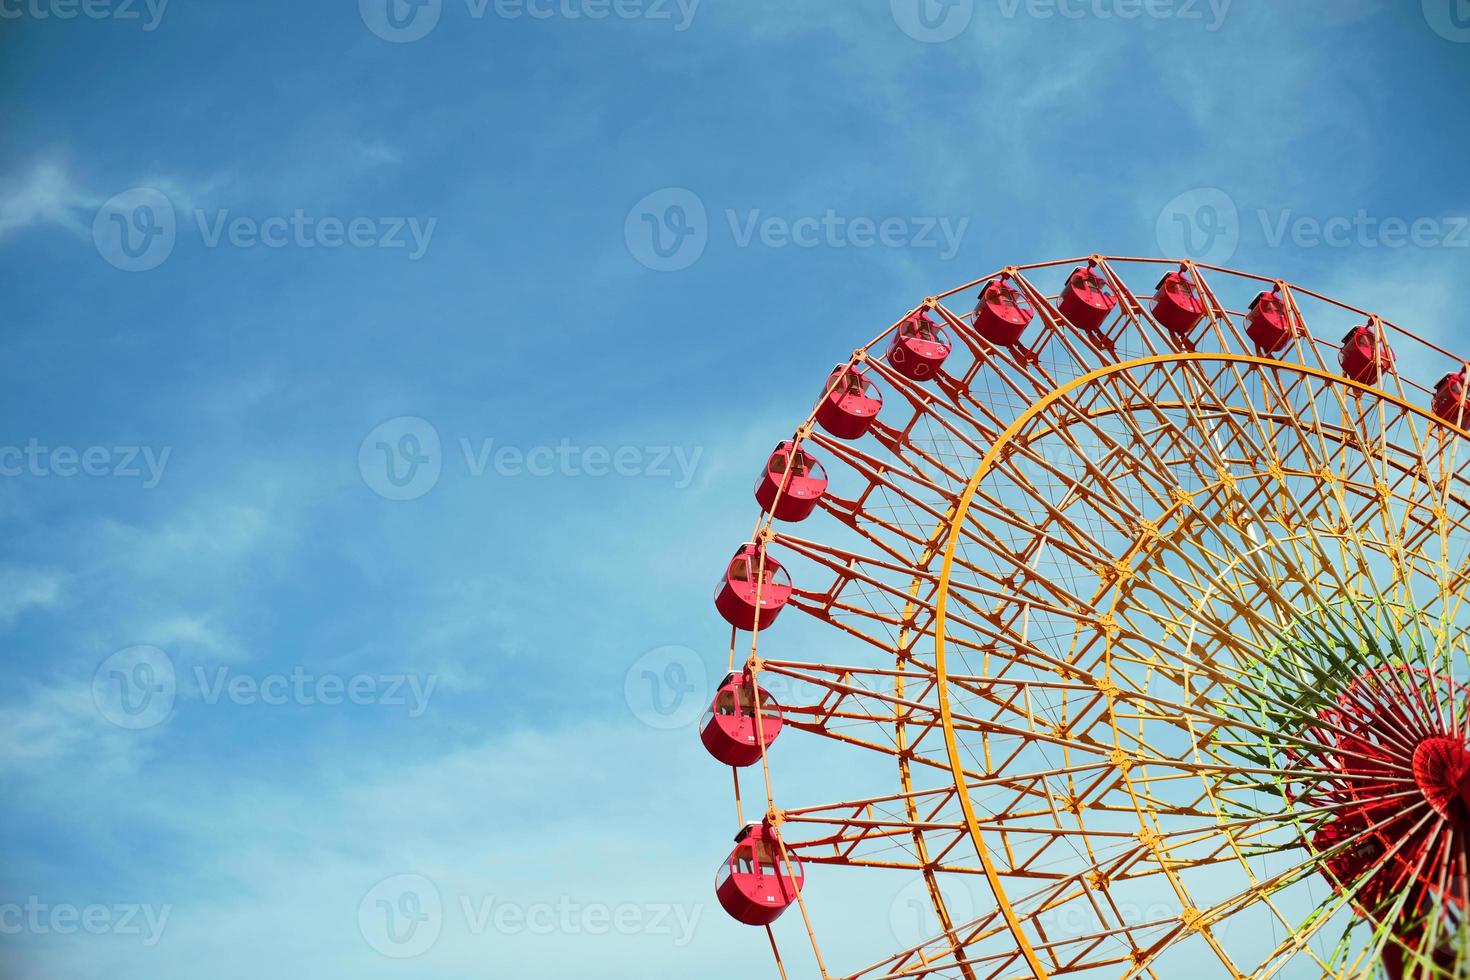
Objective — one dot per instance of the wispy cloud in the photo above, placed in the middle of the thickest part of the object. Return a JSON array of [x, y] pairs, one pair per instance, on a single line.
[[44, 195], [23, 589]]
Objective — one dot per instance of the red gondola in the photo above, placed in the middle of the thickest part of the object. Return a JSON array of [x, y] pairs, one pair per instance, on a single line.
[[1087, 300], [735, 596], [753, 884], [918, 348], [806, 481], [850, 402], [1451, 401], [1268, 324], [1365, 357], [1177, 305], [730, 731], [1002, 314]]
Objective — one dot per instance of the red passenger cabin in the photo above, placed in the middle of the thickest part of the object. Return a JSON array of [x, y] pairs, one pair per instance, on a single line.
[[1268, 324], [1450, 400], [730, 731], [753, 885], [750, 573], [1087, 300], [1365, 356], [918, 348], [850, 402], [1177, 305], [1002, 314], [804, 478]]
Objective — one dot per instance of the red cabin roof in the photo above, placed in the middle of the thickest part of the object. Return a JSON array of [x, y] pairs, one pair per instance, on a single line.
[[849, 404], [754, 589], [755, 884], [804, 478], [1365, 356], [918, 348], [730, 731], [1002, 313]]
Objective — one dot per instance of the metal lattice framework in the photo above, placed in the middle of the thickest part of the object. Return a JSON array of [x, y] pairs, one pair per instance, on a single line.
[[1113, 610]]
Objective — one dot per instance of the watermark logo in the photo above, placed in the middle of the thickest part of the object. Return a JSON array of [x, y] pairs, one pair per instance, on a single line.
[[135, 231], [401, 917], [668, 230], [667, 688], [933, 21], [404, 916], [1450, 19], [135, 688], [401, 459], [912, 915], [404, 21], [401, 21], [1202, 225]]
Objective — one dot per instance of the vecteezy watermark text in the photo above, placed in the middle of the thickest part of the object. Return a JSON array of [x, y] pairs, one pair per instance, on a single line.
[[937, 21], [40, 918], [403, 916], [136, 231], [138, 688], [1211, 13], [405, 21], [1205, 225], [145, 463], [1363, 230], [403, 458], [669, 230], [149, 12], [301, 687]]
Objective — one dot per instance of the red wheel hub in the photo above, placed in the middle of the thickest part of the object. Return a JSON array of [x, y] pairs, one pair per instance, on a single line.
[[1442, 770], [1394, 789]]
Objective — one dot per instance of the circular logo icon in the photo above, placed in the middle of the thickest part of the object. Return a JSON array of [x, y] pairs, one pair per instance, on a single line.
[[402, 916], [912, 916], [401, 21], [135, 231], [667, 688], [1201, 225], [135, 688], [401, 459], [668, 230], [933, 21], [1450, 19]]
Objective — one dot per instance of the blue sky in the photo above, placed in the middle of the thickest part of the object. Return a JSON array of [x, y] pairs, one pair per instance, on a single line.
[[570, 276]]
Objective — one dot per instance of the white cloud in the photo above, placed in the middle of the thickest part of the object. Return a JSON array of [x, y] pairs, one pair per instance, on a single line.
[[22, 589], [60, 724], [46, 195], [49, 194]]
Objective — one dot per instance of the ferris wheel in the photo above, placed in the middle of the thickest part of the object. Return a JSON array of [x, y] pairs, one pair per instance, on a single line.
[[1141, 586]]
